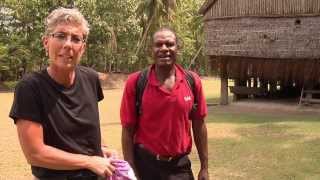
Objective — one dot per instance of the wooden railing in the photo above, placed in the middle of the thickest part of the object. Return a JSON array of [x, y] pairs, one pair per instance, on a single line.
[[307, 96]]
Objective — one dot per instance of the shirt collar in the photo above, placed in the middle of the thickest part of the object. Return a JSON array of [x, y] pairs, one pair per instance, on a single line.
[[155, 82]]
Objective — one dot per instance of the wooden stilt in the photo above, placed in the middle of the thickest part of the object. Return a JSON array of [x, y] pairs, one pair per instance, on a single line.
[[224, 82]]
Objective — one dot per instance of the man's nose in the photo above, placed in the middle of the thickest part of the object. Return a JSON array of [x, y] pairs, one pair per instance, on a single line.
[[164, 47]]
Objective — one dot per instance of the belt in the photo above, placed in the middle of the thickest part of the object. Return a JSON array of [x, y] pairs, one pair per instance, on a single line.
[[158, 157], [81, 175]]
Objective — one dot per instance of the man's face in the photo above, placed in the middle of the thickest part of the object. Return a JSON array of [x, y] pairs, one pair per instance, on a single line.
[[164, 48]]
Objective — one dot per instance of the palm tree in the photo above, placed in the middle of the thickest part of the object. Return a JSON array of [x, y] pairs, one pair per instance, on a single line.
[[152, 14]]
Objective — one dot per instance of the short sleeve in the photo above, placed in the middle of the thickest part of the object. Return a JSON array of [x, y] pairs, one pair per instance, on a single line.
[[201, 111], [26, 103], [100, 95], [128, 113]]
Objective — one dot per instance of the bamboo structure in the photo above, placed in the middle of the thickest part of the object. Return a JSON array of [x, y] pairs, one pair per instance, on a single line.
[[264, 44]]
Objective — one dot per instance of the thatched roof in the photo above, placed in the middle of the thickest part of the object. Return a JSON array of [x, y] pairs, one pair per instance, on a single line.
[[273, 40], [292, 38], [206, 5], [263, 8]]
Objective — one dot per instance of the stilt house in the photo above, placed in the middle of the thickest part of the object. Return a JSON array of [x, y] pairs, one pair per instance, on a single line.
[[268, 47]]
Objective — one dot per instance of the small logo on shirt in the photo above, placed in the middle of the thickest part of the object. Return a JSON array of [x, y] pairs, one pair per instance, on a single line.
[[187, 98]]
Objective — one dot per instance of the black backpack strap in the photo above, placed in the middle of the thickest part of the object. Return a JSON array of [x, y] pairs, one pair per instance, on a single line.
[[140, 86], [191, 82]]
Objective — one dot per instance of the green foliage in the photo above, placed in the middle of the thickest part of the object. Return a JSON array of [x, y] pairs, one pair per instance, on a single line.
[[119, 30], [189, 27], [10, 84]]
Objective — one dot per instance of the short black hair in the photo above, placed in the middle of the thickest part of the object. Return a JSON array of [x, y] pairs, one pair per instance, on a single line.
[[167, 28]]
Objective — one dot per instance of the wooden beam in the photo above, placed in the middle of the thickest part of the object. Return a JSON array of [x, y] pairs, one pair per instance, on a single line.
[[224, 82]]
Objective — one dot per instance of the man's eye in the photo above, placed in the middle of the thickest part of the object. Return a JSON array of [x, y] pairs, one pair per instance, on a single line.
[[170, 44]]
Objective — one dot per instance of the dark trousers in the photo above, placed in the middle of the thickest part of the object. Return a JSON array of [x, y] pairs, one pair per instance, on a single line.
[[81, 175], [149, 168], [67, 178]]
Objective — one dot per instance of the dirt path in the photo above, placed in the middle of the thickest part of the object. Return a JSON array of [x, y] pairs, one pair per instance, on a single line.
[[112, 80]]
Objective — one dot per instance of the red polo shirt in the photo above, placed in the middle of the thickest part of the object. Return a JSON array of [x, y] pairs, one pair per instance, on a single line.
[[164, 125]]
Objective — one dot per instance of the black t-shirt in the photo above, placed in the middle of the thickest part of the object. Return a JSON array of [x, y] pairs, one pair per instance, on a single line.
[[69, 116]]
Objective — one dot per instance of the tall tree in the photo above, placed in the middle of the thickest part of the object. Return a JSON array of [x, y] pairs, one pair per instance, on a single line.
[[116, 27], [152, 14], [189, 26], [113, 29]]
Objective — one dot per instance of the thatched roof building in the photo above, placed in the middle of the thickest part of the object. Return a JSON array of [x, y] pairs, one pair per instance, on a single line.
[[273, 43]]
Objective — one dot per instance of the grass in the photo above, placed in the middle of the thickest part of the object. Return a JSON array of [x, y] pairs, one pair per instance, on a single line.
[[243, 144], [276, 149]]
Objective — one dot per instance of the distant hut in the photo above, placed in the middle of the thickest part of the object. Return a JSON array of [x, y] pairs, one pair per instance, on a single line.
[[268, 47]]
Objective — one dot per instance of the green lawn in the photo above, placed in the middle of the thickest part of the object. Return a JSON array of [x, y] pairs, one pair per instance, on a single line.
[[265, 146], [243, 144]]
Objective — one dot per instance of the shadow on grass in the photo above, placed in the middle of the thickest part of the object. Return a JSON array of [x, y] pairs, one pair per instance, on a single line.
[[213, 100], [225, 116], [217, 99], [269, 131], [270, 151]]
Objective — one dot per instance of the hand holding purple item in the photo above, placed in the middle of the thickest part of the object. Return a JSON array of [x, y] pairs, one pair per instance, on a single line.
[[123, 170]]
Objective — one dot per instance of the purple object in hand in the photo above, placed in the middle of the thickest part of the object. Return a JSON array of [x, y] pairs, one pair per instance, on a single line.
[[123, 170]]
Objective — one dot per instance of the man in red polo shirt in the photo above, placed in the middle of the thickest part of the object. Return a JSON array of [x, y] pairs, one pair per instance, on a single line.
[[157, 141]]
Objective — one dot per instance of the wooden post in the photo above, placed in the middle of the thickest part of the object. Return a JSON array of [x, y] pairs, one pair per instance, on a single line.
[[273, 87], [264, 85], [244, 84], [249, 82], [224, 82], [235, 96], [255, 82]]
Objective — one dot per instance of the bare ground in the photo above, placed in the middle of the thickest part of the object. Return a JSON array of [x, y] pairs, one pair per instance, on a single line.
[[14, 166], [112, 80]]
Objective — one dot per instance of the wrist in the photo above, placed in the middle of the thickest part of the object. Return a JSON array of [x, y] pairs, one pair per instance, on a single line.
[[104, 146], [204, 167], [88, 162], [204, 162]]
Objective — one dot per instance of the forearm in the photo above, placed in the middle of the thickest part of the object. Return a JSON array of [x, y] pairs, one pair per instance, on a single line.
[[53, 158], [201, 141], [39, 154], [128, 145]]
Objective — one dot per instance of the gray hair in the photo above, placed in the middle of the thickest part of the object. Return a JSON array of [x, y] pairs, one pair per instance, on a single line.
[[66, 15]]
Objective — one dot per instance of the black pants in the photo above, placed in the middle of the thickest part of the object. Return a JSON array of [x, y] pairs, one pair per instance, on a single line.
[[149, 168], [81, 175], [66, 178]]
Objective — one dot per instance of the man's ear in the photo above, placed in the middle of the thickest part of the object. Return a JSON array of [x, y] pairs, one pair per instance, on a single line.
[[180, 43]]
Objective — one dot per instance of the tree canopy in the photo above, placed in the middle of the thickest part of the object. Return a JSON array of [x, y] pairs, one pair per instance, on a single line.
[[119, 33]]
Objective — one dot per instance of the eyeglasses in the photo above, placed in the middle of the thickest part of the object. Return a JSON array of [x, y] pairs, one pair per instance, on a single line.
[[63, 37]]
